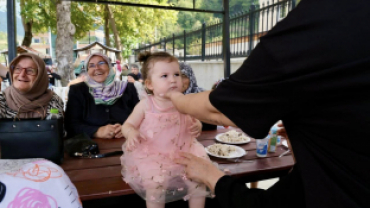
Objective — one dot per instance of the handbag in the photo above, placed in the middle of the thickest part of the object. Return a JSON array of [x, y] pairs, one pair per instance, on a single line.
[[32, 138], [82, 146]]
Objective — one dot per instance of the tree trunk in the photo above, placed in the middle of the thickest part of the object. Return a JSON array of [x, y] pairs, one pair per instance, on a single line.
[[115, 32], [64, 42], [106, 26], [27, 40]]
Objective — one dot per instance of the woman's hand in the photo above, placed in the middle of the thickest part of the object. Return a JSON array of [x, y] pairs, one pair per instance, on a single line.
[[281, 131], [196, 128], [171, 94], [118, 131], [106, 132], [200, 170]]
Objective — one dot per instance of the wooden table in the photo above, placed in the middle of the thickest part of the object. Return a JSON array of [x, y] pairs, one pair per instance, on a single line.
[[101, 178]]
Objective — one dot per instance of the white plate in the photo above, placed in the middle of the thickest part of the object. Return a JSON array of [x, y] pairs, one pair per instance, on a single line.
[[218, 138], [239, 152]]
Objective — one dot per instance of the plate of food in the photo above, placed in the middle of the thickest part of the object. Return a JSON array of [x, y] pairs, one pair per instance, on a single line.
[[225, 151], [233, 137]]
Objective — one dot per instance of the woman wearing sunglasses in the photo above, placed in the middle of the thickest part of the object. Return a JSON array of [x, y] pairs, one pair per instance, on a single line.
[[29, 93], [99, 105]]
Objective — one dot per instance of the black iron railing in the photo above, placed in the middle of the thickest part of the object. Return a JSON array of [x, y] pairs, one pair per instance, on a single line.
[[206, 42]]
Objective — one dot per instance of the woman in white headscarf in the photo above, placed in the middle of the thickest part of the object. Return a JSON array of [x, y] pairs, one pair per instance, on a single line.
[[99, 105]]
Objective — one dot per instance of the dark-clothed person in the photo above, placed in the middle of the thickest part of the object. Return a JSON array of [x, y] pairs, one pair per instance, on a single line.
[[303, 73]]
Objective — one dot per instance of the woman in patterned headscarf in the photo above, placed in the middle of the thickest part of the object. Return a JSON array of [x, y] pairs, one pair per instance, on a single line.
[[189, 81], [190, 86], [28, 96], [99, 105]]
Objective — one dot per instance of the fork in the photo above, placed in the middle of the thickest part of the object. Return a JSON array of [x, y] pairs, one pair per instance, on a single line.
[[284, 153]]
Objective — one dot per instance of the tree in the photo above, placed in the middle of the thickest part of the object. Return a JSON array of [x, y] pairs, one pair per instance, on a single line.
[[40, 16], [135, 24], [106, 28], [115, 31], [27, 22], [64, 41]]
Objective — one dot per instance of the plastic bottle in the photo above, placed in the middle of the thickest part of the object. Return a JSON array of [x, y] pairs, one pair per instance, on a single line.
[[275, 128], [273, 140], [53, 114]]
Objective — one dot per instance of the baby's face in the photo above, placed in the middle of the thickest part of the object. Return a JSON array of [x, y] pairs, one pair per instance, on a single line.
[[165, 76]]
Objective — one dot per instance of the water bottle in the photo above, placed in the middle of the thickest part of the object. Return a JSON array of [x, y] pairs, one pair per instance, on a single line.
[[53, 114], [274, 129], [273, 140]]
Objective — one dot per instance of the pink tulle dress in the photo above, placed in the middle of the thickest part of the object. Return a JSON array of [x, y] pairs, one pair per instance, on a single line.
[[149, 168]]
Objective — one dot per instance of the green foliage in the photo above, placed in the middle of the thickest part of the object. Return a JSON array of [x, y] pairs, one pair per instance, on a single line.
[[138, 24], [193, 20], [43, 15], [84, 17], [134, 24]]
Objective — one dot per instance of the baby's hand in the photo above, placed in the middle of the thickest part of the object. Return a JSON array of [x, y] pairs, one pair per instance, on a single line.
[[132, 139], [196, 128]]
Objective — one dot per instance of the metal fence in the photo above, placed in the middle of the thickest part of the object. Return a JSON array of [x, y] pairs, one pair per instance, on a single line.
[[206, 42]]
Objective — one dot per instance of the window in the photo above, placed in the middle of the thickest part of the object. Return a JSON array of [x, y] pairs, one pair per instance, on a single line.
[[36, 40]]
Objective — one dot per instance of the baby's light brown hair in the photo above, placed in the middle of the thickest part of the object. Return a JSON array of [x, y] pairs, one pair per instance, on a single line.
[[148, 59]]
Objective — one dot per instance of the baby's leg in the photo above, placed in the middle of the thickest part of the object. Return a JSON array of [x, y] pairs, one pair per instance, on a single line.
[[153, 199], [198, 199], [197, 202]]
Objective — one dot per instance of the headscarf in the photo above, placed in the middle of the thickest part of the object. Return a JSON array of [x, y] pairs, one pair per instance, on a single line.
[[118, 63], [109, 91], [38, 95], [188, 71]]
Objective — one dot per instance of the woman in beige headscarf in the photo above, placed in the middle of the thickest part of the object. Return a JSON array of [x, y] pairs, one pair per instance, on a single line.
[[29, 94]]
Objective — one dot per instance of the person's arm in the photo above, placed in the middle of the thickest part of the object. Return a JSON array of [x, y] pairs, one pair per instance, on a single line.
[[200, 169], [199, 106], [3, 70], [130, 129], [229, 192], [195, 127]]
